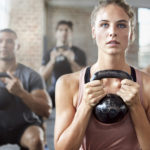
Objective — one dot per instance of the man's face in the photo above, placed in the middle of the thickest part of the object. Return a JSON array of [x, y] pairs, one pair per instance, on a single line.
[[63, 34], [8, 46]]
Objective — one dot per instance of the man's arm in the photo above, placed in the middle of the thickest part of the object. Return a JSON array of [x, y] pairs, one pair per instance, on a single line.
[[49, 61], [37, 100], [46, 71]]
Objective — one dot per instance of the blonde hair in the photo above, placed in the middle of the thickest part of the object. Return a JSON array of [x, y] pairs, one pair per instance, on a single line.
[[121, 3]]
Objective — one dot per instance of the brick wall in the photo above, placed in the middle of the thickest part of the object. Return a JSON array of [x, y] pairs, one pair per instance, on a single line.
[[26, 19]]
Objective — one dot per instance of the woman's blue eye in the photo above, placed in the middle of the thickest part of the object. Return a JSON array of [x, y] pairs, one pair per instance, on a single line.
[[122, 25]]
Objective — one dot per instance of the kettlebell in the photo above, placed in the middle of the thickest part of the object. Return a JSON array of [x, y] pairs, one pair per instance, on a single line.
[[5, 96], [61, 58], [111, 108]]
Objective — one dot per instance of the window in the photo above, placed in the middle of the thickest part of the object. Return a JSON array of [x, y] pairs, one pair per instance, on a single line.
[[144, 36], [4, 13]]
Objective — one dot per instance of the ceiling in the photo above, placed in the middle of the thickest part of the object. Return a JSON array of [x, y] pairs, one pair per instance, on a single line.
[[91, 3]]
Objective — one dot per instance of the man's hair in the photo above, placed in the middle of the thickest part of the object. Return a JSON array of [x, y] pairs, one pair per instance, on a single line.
[[64, 22], [9, 31]]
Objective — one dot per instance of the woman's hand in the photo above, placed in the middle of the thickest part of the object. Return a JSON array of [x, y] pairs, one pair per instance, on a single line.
[[129, 92], [93, 93]]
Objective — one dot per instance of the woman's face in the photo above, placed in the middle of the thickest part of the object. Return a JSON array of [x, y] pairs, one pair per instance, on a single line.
[[112, 29]]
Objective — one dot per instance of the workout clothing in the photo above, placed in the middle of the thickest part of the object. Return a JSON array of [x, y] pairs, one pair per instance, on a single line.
[[61, 67], [18, 116], [80, 57], [117, 136]]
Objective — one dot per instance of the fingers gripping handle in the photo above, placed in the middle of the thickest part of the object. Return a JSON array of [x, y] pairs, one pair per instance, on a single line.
[[111, 108]]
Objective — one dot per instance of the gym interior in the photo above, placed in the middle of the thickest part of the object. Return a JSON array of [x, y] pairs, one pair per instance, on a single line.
[[35, 20]]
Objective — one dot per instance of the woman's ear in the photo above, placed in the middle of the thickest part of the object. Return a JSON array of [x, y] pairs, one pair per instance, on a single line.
[[93, 33]]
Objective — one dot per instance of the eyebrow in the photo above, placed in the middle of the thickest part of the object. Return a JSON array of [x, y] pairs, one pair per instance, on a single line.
[[125, 21]]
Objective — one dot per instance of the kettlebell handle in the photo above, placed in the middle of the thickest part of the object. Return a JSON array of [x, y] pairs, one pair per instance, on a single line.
[[110, 108], [111, 74], [4, 75]]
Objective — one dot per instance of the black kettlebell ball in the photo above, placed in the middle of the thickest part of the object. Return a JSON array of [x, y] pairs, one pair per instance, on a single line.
[[111, 108]]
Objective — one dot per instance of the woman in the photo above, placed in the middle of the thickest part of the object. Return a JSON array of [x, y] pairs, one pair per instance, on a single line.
[[76, 127]]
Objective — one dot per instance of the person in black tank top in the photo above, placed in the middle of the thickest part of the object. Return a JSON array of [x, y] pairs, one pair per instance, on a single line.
[[63, 59], [112, 25]]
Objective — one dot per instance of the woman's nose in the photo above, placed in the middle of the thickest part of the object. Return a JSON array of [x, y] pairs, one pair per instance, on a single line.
[[112, 32]]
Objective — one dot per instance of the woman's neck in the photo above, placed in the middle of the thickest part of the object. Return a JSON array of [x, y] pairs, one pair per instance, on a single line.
[[113, 62]]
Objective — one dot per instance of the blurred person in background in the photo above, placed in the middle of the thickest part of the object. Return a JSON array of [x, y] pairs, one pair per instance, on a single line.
[[63, 58], [23, 98]]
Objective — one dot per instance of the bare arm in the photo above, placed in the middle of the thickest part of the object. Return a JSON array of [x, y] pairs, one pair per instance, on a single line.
[[46, 71], [37, 100], [71, 123], [142, 126], [140, 117]]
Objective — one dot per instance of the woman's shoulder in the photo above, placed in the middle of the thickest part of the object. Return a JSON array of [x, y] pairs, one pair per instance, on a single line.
[[146, 84], [67, 88], [146, 69], [69, 81], [145, 77]]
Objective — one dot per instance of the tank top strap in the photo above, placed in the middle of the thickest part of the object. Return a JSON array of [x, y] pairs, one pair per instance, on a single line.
[[81, 83]]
